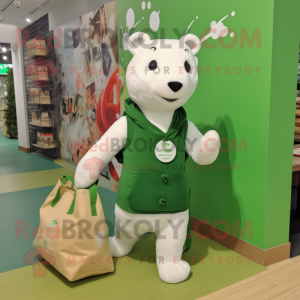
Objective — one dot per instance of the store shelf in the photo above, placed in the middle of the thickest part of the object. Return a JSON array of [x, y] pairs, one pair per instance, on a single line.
[[297, 138], [35, 145], [39, 103], [35, 56], [30, 80], [39, 125]]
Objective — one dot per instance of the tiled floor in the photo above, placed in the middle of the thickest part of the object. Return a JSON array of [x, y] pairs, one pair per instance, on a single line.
[[25, 182]]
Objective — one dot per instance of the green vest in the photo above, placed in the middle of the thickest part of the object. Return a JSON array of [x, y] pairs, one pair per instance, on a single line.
[[148, 185]]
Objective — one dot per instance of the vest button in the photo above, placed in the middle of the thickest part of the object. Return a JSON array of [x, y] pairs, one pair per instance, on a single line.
[[162, 201], [164, 178]]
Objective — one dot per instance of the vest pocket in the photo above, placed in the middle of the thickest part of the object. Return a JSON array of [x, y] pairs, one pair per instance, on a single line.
[[176, 193], [151, 194], [146, 193]]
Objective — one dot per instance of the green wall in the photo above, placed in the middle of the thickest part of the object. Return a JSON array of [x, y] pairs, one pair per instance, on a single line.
[[286, 38], [250, 182]]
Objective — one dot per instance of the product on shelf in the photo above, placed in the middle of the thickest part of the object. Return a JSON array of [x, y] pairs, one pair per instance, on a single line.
[[34, 118], [43, 121], [44, 97], [37, 95], [38, 73], [45, 140], [34, 95], [36, 47], [39, 139]]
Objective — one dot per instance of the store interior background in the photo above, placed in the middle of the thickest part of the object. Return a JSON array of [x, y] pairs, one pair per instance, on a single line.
[[5, 59], [265, 199]]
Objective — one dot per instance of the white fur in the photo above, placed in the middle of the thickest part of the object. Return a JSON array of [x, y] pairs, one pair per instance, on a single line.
[[148, 90], [146, 87], [168, 247]]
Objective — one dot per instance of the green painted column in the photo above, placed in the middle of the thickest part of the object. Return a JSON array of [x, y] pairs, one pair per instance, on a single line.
[[285, 55]]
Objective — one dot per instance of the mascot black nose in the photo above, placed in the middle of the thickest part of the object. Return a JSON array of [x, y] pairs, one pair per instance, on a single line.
[[175, 86]]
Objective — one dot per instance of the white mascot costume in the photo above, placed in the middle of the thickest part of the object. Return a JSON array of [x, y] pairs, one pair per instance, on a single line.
[[154, 138]]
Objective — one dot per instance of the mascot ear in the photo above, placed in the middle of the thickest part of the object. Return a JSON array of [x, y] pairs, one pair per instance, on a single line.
[[192, 42], [137, 40]]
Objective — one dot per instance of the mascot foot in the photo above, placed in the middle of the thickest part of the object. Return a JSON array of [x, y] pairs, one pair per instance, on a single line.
[[173, 272], [117, 249]]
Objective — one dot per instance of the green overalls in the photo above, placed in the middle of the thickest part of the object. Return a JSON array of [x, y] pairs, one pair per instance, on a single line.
[[148, 185]]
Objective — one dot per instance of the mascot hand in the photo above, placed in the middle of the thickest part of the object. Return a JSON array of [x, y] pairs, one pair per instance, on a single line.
[[88, 171], [211, 141], [207, 148]]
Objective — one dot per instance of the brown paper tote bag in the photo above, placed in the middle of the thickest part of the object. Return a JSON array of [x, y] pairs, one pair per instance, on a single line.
[[73, 235]]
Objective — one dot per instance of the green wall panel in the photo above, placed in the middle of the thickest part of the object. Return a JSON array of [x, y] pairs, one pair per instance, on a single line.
[[244, 108], [285, 55]]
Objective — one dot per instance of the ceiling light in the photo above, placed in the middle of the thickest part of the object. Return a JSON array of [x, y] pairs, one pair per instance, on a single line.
[[5, 57], [28, 20], [4, 49]]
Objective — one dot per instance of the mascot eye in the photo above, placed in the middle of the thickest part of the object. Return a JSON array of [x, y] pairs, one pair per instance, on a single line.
[[152, 65], [187, 66]]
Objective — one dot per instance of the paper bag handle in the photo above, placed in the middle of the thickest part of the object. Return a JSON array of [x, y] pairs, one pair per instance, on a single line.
[[92, 192]]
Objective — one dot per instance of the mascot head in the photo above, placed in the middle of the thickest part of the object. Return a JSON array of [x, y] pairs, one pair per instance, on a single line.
[[162, 74]]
